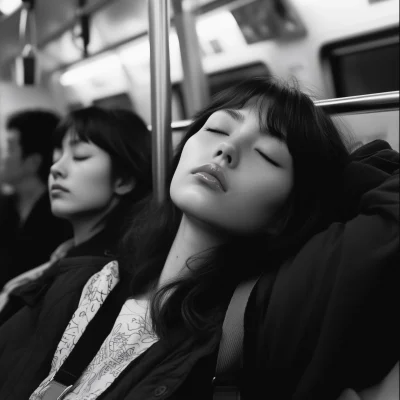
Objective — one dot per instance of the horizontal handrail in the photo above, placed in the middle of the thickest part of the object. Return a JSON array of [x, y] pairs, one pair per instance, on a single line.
[[368, 103], [387, 101]]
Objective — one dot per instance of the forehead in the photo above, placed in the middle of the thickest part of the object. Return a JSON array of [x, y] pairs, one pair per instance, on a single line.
[[253, 116], [246, 115], [71, 139], [247, 118]]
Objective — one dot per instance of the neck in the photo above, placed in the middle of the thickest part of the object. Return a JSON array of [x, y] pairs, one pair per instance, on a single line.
[[88, 225], [28, 192], [193, 237]]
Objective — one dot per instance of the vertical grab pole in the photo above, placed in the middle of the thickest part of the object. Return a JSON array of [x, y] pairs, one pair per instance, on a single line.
[[159, 23], [195, 85]]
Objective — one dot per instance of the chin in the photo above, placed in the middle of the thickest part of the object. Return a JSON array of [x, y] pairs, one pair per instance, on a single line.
[[198, 209], [191, 202], [60, 213]]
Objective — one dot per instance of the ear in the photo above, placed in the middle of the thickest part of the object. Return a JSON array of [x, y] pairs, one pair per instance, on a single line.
[[124, 186], [33, 162]]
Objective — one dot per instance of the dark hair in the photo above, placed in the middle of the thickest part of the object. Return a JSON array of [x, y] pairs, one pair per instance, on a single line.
[[35, 128], [125, 137], [319, 155]]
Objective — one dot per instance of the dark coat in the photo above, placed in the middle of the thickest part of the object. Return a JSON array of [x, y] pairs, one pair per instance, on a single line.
[[102, 244], [329, 322], [31, 244]]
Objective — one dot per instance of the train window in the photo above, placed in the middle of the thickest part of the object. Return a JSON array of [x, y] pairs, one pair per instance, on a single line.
[[364, 65], [121, 100]]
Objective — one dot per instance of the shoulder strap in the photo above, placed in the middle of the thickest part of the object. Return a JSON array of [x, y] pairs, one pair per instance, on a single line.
[[89, 343], [94, 335], [230, 354]]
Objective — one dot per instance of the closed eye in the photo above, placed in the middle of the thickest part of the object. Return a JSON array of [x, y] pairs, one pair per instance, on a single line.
[[80, 158], [216, 131], [270, 160]]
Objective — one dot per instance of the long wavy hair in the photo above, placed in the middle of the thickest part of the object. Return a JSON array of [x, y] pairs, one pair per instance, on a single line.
[[198, 301], [125, 137]]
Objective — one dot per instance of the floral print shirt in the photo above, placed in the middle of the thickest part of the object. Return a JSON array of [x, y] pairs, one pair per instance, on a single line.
[[130, 336]]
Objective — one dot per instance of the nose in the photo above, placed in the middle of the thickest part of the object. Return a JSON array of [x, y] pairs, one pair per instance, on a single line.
[[228, 154], [57, 170]]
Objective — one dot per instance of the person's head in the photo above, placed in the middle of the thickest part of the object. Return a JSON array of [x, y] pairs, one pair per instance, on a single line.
[[101, 164], [281, 159], [276, 152], [28, 150]]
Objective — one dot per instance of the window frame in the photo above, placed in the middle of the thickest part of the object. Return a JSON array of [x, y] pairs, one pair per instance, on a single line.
[[330, 55]]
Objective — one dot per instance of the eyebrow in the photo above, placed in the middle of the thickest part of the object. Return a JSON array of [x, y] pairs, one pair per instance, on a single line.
[[238, 116], [277, 135], [74, 142], [235, 114]]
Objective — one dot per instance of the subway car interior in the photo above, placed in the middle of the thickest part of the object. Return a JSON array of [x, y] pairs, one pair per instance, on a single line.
[[165, 60], [72, 54]]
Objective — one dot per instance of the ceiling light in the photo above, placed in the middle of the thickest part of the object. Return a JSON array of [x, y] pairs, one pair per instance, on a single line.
[[100, 67], [7, 7]]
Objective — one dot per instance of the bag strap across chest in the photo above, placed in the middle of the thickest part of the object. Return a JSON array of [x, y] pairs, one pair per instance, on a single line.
[[230, 354]]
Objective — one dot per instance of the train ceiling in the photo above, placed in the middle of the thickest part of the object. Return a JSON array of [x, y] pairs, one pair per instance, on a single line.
[[111, 23]]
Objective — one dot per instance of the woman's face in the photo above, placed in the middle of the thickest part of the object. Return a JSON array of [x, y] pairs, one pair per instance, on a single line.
[[231, 175], [80, 180]]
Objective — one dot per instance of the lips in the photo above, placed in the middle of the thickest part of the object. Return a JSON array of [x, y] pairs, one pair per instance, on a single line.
[[56, 186], [213, 171]]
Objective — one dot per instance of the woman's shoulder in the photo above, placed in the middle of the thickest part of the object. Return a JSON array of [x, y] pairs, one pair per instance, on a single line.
[[74, 272], [338, 293], [66, 277]]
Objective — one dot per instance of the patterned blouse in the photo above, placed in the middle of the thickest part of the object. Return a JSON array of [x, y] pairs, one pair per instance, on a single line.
[[131, 335]]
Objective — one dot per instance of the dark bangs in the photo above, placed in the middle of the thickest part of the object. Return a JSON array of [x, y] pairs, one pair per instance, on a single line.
[[86, 125], [120, 133], [315, 144], [275, 103]]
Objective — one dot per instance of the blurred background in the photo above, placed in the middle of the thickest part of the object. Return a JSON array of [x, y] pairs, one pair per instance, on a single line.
[[68, 54]]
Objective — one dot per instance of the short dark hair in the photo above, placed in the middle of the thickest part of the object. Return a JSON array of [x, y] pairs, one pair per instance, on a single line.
[[120, 133], [124, 136], [35, 128]]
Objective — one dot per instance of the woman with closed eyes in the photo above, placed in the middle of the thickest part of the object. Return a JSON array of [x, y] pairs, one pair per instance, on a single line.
[[262, 185], [101, 168]]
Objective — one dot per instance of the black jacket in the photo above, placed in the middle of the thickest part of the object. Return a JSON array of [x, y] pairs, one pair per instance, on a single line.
[[31, 244], [324, 322], [102, 244], [331, 319]]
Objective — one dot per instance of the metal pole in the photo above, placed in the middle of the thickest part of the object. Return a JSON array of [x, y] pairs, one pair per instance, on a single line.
[[159, 23], [195, 85], [368, 103]]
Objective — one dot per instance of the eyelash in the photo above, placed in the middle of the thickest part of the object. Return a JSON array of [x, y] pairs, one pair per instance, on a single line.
[[259, 152], [216, 131], [75, 158], [80, 158], [268, 159]]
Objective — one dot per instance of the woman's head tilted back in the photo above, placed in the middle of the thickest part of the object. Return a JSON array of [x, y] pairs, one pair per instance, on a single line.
[[101, 163], [278, 155], [258, 166]]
